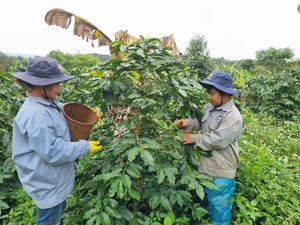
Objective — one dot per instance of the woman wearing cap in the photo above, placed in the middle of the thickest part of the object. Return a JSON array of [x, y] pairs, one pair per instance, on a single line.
[[41, 148], [221, 126]]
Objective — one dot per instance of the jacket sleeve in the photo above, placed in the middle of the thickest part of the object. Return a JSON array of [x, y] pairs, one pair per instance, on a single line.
[[53, 149], [218, 139], [193, 125]]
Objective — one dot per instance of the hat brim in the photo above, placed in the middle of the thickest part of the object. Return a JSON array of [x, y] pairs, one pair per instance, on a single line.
[[39, 81], [230, 91]]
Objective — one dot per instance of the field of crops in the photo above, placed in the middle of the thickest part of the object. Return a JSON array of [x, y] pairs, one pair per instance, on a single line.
[[144, 175]]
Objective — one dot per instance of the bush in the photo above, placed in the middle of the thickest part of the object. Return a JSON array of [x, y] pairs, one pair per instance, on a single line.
[[144, 175], [268, 185], [10, 102], [275, 94]]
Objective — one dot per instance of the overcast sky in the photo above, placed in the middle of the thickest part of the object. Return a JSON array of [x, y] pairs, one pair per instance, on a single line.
[[234, 29]]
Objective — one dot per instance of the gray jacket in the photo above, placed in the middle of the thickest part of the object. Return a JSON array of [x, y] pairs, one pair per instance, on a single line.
[[220, 129]]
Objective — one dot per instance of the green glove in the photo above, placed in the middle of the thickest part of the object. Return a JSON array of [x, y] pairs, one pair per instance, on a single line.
[[95, 146]]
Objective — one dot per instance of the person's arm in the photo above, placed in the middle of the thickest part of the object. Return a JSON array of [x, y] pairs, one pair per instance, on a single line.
[[54, 149], [193, 124], [187, 125], [228, 131]]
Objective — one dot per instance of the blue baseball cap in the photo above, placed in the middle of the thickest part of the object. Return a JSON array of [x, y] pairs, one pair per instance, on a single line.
[[42, 71], [221, 81]]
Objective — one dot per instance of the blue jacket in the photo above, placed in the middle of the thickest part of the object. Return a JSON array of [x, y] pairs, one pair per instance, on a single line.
[[43, 153]]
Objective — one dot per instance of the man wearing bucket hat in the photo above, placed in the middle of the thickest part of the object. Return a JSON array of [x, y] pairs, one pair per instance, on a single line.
[[221, 126], [41, 148]]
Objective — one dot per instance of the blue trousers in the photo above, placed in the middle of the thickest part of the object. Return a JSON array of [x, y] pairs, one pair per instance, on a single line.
[[51, 216], [219, 201]]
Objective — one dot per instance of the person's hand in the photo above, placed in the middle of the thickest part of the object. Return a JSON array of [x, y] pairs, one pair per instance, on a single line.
[[98, 113], [182, 123], [187, 139], [95, 146]]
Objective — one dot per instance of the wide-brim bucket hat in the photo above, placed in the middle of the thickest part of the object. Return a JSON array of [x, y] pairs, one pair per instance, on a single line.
[[221, 81], [42, 71]]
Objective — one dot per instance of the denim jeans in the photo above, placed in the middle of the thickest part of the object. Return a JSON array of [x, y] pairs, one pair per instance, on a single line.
[[51, 216], [219, 201]]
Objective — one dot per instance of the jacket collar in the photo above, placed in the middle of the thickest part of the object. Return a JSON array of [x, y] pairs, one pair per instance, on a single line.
[[225, 107], [38, 100]]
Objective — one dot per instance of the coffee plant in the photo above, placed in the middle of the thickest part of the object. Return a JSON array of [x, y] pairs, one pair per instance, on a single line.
[[144, 175], [10, 101]]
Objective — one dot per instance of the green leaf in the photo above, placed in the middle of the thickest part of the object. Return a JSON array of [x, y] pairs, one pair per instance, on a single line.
[[113, 188], [171, 215], [155, 223], [175, 83], [90, 213], [96, 73], [134, 194], [194, 156], [3, 205], [150, 143], [165, 203], [168, 221], [200, 212], [123, 48], [170, 172], [105, 218], [175, 144], [161, 176], [147, 157], [132, 153], [133, 171], [192, 184], [200, 192], [134, 96], [91, 220], [175, 155], [135, 76], [109, 176], [125, 213], [126, 181], [140, 52], [140, 102], [209, 185], [113, 203], [176, 197], [4, 176], [154, 201], [120, 191], [186, 195], [6, 139], [182, 92], [113, 212]]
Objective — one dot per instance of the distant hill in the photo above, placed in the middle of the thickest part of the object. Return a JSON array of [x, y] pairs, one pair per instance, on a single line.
[[22, 55], [102, 57], [7, 61]]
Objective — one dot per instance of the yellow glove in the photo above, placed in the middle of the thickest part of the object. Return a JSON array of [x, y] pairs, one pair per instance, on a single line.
[[95, 146], [98, 113]]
